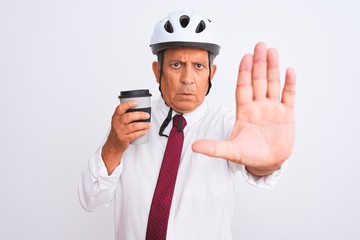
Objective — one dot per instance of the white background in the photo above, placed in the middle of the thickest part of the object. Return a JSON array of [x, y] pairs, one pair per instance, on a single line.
[[63, 63]]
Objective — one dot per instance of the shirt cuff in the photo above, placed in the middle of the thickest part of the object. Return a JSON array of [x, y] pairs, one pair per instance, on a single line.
[[265, 182], [98, 172]]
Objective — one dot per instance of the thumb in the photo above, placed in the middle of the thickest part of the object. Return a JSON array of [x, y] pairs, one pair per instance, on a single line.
[[218, 149]]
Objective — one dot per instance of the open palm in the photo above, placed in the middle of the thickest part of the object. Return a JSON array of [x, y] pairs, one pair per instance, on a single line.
[[263, 135]]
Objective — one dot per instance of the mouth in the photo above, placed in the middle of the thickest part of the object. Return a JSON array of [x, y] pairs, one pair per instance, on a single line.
[[186, 96], [185, 93]]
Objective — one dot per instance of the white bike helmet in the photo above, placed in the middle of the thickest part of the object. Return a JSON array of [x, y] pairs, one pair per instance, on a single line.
[[184, 29]]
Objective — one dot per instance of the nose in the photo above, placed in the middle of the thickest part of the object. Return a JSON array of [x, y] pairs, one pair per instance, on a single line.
[[188, 75]]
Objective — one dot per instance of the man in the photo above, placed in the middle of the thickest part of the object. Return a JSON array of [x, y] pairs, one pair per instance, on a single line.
[[217, 144]]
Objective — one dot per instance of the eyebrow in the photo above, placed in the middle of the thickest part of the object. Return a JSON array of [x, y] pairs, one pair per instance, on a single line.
[[204, 62]]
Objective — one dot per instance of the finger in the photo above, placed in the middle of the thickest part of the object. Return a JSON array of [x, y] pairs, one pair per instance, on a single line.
[[218, 149], [130, 132], [123, 107], [289, 91], [121, 115], [137, 126], [135, 135], [273, 74], [134, 117], [259, 71], [244, 92]]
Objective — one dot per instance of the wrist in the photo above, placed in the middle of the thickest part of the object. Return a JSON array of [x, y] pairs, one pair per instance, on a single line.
[[261, 171], [111, 156]]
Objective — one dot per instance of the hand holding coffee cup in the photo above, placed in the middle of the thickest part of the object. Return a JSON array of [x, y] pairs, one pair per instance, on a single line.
[[143, 98]]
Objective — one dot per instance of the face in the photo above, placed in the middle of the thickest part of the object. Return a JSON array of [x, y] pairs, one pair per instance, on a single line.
[[184, 79]]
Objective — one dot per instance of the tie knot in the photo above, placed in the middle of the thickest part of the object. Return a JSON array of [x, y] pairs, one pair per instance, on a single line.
[[179, 122]]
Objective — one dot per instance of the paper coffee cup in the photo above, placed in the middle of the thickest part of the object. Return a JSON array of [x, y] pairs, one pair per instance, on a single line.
[[143, 98]]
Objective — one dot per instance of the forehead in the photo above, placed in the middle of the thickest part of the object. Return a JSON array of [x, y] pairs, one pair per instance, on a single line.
[[185, 53]]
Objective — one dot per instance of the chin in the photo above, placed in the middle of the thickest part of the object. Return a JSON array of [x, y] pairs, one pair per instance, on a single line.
[[185, 108]]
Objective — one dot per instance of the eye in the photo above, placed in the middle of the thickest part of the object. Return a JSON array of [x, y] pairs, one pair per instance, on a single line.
[[176, 65], [199, 66]]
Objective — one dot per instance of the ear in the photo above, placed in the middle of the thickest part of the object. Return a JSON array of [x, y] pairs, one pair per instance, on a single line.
[[156, 70], [213, 71]]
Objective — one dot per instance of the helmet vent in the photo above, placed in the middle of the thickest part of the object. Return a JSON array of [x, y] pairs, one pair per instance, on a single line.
[[200, 27], [184, 21], [168, 27]]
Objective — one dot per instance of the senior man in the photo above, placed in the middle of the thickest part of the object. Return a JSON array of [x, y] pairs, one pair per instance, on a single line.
[[180, 185]]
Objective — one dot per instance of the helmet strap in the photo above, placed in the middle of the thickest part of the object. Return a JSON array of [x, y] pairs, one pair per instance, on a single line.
[[165, 123], [160, 57], [210, 66]]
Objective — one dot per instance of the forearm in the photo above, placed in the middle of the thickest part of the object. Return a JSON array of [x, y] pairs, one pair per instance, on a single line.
[[111, 157], [96, 187], [91, 195]]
